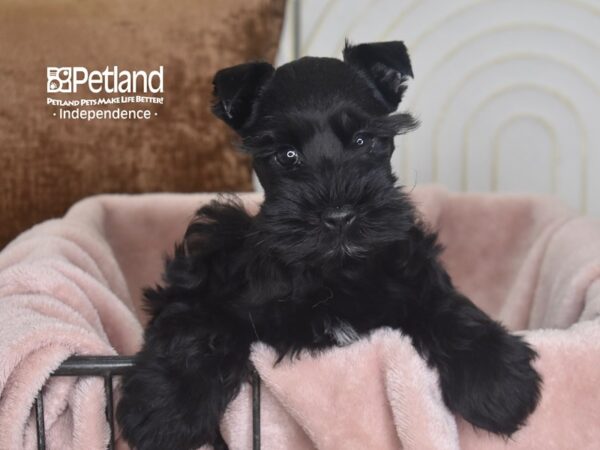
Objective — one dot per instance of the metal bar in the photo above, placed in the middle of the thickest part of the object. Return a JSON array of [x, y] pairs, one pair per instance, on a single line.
[[106, 367], [255, 410], [108, 392], [39, 421], [94, 365]]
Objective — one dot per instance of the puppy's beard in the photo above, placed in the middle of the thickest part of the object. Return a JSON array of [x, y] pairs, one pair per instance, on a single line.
[[352, 250], [344, 248]]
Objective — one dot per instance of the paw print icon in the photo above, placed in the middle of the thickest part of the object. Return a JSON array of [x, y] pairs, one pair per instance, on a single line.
[[59, 79]]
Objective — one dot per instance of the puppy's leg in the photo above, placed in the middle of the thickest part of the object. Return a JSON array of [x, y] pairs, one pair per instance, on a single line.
[[486, 373], [191, 367]]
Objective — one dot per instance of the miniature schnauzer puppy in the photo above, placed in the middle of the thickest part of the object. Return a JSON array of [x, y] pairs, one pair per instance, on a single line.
[[336, 251]]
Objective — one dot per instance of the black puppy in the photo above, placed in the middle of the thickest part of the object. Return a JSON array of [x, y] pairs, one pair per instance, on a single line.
[[336, 251]]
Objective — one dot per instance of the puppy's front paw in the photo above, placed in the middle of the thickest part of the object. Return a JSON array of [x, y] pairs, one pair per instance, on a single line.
[[156, 413], [141, 424], [493, 384]]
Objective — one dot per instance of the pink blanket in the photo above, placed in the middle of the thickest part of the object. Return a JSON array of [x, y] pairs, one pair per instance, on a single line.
[[72, 285]]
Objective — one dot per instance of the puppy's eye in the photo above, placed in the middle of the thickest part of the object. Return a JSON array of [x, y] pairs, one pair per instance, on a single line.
[[288, 157], [361, 140]]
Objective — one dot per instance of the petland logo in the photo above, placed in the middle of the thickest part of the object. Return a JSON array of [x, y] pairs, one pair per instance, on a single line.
[[66, 80], [124, 94]]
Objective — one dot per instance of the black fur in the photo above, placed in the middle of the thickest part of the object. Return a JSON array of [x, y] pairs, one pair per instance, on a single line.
[[336, 251]]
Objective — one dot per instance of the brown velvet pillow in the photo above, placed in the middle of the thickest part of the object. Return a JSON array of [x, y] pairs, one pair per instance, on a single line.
[[48, 164]]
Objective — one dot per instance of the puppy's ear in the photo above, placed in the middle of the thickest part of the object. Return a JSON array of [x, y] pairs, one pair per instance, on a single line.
[[236, 89], [386, 65]]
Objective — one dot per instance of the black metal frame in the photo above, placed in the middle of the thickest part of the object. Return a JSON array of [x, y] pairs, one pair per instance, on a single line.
[[108, 367]]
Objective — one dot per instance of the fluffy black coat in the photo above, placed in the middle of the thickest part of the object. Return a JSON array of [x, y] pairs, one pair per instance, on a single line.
[[336, 251]]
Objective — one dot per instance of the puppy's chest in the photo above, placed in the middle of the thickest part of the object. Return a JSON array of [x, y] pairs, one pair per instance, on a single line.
[[321, 318], [308, 327], [343, 333], [314, 312]]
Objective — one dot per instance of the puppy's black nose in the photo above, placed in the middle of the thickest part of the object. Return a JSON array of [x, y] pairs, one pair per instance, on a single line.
[[339, 217]]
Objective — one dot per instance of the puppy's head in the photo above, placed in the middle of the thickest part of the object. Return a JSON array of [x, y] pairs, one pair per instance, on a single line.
[[320, 131]]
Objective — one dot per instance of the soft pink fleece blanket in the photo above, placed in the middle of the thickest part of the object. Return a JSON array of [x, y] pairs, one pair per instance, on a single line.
[[72, 285]]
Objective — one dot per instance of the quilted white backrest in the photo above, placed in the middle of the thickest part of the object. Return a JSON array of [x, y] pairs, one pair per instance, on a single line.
[[508, 91]]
